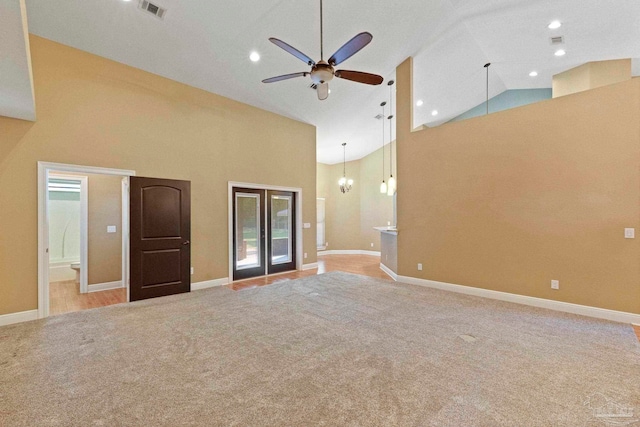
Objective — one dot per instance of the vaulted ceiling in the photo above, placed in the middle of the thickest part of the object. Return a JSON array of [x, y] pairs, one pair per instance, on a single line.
[[206, 44]]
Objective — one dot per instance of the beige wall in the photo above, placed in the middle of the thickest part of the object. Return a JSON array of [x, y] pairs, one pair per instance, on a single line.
[[512, 200], [350, 217], [105, 208], [96, 112], [591, 75]]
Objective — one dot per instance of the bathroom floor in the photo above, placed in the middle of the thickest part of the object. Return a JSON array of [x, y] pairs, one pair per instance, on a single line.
[[65, 297]]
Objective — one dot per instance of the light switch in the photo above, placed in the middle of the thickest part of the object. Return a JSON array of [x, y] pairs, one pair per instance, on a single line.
[[629, 233], [307, 225], [111, 228]]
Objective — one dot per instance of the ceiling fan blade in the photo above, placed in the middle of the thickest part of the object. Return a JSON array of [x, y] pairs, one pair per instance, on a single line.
[[285, 77], [350, 48], [293, 51], [323, 91], [360, 77]]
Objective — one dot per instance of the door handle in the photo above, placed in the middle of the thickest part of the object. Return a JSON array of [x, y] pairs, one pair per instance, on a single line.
[[186, 242]]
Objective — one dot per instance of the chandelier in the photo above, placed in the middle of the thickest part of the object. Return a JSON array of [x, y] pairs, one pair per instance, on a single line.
[[345, 184]]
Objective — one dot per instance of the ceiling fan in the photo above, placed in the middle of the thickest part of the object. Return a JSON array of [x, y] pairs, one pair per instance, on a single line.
[[322, 71]]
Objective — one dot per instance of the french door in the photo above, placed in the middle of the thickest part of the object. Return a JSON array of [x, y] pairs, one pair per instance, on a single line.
[[264, 232]]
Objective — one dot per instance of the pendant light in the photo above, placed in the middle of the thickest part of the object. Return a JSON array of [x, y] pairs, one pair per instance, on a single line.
[[383, 186], [345, 184], [391, 186]]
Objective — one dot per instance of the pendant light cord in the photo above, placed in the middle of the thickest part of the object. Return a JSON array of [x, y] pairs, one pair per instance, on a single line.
[[344, 160], [487, 65], [390, 129], [383, 116]]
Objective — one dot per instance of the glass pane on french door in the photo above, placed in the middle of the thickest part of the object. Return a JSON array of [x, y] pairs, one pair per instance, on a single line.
[[281, 228], [248, 247]]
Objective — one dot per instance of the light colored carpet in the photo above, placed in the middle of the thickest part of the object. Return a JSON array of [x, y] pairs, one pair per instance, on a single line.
[[334, 349]]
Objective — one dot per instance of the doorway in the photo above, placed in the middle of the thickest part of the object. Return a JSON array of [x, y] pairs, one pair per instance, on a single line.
[[264, 228], [65, 232]]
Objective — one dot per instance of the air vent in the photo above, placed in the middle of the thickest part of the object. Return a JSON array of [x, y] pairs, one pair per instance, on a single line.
[[313, 86], [153, 9], [379, 116], [557, 40]]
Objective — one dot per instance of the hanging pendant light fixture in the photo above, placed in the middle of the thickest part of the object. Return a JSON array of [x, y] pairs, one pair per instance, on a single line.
[[383, 186], [345, 184], [391, 186]]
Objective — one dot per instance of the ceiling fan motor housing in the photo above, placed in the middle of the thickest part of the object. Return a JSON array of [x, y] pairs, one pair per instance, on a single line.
[[321, 72]]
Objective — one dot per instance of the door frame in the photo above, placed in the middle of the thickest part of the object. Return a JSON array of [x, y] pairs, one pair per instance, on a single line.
[[84, 225], [44, 168], [299, 223]]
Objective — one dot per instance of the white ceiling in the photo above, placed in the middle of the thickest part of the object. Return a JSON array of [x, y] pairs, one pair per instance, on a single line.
[[16, 84], [206, 44]]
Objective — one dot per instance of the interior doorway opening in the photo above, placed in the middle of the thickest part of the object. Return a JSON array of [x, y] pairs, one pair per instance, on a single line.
[[83, 230]]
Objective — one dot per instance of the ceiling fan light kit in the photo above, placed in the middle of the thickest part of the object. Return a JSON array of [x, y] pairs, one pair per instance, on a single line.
[[322, 72]]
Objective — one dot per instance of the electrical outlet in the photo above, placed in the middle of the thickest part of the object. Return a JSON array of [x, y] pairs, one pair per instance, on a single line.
[[388, 222], [555, 284], [629, 233], [372, 245], [111, 228], [419, 266], [191, 270], [305, 255], [326, 244]]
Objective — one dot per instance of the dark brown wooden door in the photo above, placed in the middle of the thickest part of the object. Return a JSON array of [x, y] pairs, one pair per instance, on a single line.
[[160, 233]]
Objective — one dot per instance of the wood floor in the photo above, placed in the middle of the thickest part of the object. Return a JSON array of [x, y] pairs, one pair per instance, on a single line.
[[65, 297], [365, 265]]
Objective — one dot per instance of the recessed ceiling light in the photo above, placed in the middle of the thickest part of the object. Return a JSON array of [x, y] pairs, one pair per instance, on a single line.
[[255, 56], [533, 74], [434, 113], [554, 25], [560, 52], [419, 103]]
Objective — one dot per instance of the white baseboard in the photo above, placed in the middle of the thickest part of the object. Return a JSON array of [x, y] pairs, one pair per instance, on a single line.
[[209, 284], [389, 272], [107, 286], [348, 252], [566, 307], [309, 266], [22, 316]]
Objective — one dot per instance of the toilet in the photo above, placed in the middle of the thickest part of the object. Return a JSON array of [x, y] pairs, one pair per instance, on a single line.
[[76, 267]]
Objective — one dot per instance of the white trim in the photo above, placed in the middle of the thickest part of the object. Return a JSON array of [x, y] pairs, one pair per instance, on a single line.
[[348, 252], [43, 222], [107, 286], [22, 316], [209, 284], [125, 233], [299, 222], [389, 272], [309, 266], [566, 307]]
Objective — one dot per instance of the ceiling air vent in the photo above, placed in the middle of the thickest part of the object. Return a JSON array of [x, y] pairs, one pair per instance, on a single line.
[[557, 40], [153, 9], [379, 116]]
